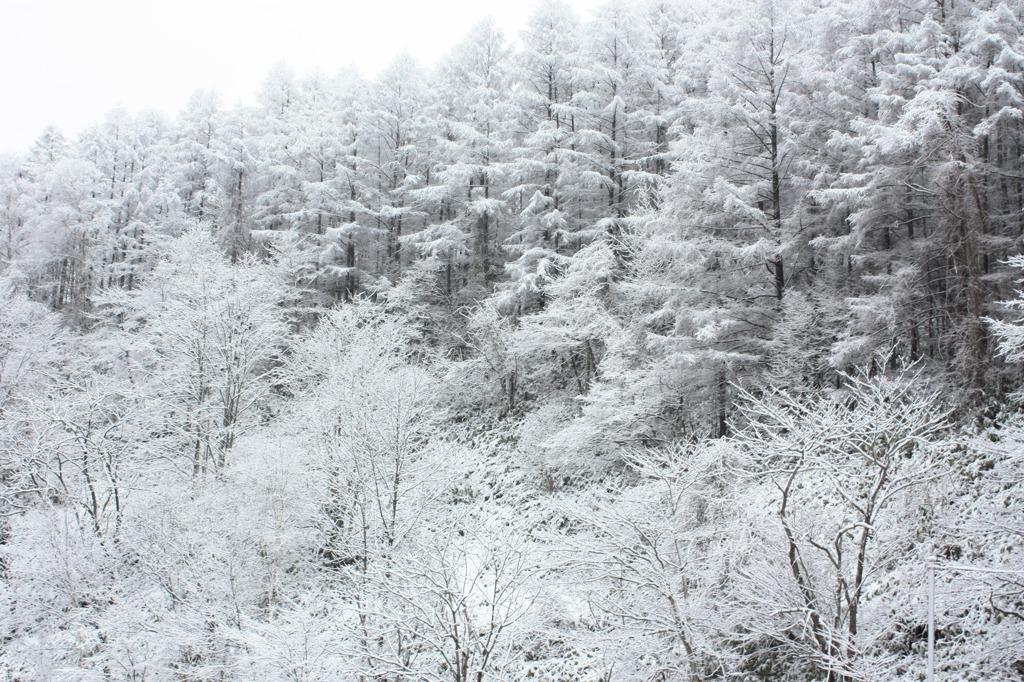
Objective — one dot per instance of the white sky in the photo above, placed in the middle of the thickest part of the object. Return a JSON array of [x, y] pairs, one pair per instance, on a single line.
[[68, 62]]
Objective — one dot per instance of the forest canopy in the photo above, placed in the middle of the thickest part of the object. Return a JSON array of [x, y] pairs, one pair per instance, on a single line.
[[680, 343]]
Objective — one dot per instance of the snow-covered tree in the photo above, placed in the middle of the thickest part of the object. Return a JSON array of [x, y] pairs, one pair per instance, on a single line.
[[206, 336], [839, 474]]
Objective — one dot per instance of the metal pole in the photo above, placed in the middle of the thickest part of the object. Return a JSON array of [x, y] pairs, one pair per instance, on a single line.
[[931, 601], [931, 622]]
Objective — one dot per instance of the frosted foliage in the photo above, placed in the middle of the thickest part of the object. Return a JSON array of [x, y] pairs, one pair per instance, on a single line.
[[1011, 333], [677, 341]]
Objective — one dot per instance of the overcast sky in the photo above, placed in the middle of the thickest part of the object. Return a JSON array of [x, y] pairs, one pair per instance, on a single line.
[[67, 63]]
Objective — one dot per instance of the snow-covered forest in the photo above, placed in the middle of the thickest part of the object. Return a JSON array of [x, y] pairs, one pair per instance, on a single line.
[[674, 344]]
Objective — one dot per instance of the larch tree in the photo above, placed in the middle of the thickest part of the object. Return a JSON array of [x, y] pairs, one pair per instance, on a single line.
[[398, 128], [475, 143]]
